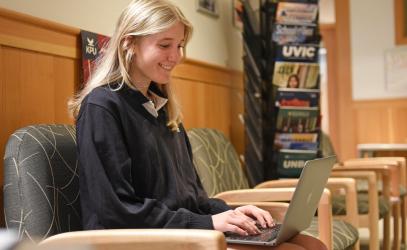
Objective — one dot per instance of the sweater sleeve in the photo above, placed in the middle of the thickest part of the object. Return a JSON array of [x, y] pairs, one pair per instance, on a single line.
[[211, 205], [108, 198]]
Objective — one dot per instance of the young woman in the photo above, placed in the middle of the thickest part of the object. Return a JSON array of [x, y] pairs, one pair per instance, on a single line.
[[293, 81], [136, 168]]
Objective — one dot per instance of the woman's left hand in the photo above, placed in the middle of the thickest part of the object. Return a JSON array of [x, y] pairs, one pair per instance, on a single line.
[[262, 216]]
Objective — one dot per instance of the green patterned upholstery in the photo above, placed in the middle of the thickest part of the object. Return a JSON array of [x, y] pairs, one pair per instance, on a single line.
[[338, 204], [219, 169], [41, 187], [344, 237], [216, 161]]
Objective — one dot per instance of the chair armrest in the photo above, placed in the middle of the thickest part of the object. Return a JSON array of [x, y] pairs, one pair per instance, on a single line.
[[388, 175], [402, 165], [371, 178], [283, 183], [399, 163], [257, 195], [349, 186], [144, 239]]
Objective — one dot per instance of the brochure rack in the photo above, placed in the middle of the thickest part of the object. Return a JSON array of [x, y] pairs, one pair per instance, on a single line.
[[281, 85]]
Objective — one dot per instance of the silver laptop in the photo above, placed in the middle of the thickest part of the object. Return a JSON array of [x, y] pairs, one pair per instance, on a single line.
[[302, 207]]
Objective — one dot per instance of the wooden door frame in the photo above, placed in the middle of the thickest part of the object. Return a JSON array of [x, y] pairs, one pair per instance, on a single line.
[[341, 110], [328, 32]]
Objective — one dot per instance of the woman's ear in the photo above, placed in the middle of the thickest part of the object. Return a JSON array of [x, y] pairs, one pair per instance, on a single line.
[[127, 43], [131, 44]]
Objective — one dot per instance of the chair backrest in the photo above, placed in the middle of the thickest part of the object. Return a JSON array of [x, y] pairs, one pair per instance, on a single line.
[[41, 185], [216, 161]]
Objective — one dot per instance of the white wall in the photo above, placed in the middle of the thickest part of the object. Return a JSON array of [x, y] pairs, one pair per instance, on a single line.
[[372, 33], [214, 41], [327, 11], [94, 15]]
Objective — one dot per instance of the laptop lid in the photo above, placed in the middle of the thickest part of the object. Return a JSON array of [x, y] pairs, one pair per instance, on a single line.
[[305, 200], [303, 204]]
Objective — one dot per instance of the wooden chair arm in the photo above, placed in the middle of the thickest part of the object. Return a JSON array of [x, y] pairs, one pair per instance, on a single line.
[[144, 239], [256, 195], [282, 183], [349, 186], [395, 162], [325, 223], [371, 178], [389, 173], [371, 161], [402, 165]]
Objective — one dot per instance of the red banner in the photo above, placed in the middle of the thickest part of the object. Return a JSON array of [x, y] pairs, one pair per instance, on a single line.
[[92, 47]]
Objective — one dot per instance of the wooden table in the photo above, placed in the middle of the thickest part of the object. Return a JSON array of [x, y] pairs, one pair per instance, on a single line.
[[372, 149]]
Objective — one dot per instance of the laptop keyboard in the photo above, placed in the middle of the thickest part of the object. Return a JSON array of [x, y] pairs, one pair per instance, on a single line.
[[266, 234]]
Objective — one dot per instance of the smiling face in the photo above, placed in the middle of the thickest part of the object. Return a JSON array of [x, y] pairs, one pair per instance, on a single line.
[[293, 82], [155, 56]]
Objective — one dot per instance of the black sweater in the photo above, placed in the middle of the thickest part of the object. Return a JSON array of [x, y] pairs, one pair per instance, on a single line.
[[134, 172]]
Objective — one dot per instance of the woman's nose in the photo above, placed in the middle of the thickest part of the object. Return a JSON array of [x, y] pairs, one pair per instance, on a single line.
[[175, 55]]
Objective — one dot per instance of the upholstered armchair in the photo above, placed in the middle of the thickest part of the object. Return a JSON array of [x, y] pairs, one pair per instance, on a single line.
[[42, 204], [222, 176]]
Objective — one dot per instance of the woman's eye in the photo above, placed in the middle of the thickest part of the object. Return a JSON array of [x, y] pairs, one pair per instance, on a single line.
[[164, 46]]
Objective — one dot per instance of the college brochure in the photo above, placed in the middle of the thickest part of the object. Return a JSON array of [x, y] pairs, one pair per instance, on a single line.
[[297, 120], [298, 137], [307, 74], [297, 97], [290, 162], [297, 13], [293, 33], [297, 53]]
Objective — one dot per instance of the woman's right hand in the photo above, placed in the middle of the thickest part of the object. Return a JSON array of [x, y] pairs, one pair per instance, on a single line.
[[234, 221]]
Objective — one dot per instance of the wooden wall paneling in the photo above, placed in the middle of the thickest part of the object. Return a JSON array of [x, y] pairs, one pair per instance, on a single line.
[[398, 124], [204, 105], [11, 100], [202, 72], [66, 82], [36, 88], [237, 108], [381, 121], [191, 98], [205, 91], [372, 124], [33, 33], [218, 108]]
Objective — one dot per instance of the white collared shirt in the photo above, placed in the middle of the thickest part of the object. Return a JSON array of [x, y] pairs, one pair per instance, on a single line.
[[154, 105]]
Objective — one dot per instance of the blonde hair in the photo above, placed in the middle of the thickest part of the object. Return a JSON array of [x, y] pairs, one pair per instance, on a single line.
[[140, 18]]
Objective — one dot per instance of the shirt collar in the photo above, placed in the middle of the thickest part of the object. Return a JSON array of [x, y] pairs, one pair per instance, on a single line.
[[155, 104]]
